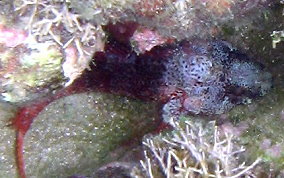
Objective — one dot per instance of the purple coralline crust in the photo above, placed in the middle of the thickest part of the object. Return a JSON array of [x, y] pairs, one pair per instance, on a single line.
[[192, 77]]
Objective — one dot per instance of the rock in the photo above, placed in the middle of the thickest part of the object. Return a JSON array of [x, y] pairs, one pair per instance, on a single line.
[[117, 170], [7, 139], [29, 69], [74, 135], [263, 135], [177, 19]]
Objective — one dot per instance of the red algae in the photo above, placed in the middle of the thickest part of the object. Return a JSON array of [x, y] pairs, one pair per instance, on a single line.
[[26, 114], [11, 37], [19, 154], [144, 39], [122, 32], [22, 123]]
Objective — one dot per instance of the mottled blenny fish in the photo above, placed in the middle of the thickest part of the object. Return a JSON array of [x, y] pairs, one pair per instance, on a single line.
[[192, 77]]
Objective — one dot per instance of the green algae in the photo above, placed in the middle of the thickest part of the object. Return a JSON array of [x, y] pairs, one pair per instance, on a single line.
[[264, 116], [7, 140], [264, 135], [33, 70], [75, 134]]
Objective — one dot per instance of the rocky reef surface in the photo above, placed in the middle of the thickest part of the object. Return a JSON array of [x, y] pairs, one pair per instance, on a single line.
[[8, 166], [75, 134], [46, 45]]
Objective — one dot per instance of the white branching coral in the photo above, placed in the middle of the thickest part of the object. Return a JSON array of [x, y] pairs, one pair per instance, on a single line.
[[54, 20], [195, 151]]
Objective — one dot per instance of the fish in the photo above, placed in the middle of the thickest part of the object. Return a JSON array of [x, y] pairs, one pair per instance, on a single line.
[[191, 77]]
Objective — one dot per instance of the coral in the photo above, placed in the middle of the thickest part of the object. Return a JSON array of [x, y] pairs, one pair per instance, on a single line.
[[277, 37], [145, 39], [11, 37], [195, 150], [53, 20], [27, 66], [39, 39]]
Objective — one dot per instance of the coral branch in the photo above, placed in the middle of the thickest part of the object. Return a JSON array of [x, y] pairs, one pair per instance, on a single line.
[[190, 150], [53, 21]]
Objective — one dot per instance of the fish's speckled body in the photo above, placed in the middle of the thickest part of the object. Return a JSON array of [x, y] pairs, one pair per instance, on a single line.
[[213, 78]]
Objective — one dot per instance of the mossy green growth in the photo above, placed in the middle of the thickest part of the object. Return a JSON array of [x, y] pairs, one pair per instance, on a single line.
[[228, 30], [254, 36], [46, 61], [101, 12], [264, 117], [39, 68], [75, 134], [264, 135], [7, 140]]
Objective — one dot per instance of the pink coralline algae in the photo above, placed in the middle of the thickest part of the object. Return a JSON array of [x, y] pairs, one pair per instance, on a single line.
[[11, 37], [145, 39], [196, 77]]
